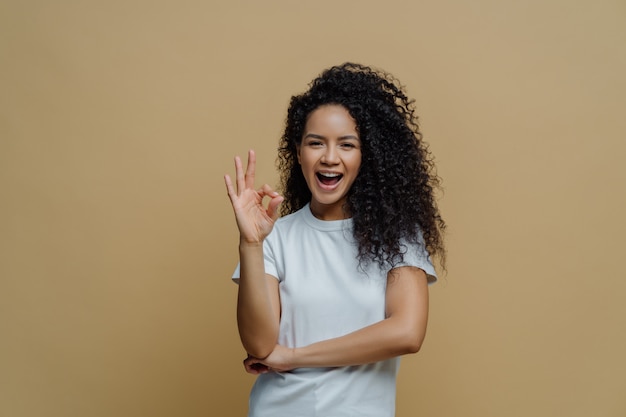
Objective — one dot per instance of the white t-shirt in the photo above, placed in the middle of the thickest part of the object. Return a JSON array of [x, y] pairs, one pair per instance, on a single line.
[[325, 294]]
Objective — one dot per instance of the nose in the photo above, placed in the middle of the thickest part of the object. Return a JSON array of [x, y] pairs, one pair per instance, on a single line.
[[330, 156]]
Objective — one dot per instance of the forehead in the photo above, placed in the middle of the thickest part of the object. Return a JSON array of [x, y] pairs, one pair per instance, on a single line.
[[330, 117]]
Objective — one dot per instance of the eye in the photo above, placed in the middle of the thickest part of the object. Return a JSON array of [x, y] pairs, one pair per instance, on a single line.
[[348, 145], [314, 143]]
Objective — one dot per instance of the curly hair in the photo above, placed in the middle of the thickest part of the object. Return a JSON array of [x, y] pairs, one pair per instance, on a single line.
[[392, 199]]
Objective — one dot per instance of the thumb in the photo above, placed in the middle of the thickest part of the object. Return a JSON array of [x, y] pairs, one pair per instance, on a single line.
[[272, 207]]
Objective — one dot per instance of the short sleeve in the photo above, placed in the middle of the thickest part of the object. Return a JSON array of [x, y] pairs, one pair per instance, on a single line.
[[416, 255]]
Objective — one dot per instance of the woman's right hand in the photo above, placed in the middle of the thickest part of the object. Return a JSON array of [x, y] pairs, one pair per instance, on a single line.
[[254, 221]]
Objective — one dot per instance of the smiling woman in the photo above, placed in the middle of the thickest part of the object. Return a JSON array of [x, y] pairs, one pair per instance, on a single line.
[[330, 156], [333, 292]]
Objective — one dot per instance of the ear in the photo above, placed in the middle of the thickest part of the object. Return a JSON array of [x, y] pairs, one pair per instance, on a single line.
[[298, 147]]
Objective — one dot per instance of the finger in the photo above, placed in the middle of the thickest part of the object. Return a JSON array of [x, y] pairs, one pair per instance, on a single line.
[[249, 369], [275, 200], [266, 191], [272, 207], [247, 364], [241, 184], [251, 169], [229, 187], [251, 361], [255, 367]]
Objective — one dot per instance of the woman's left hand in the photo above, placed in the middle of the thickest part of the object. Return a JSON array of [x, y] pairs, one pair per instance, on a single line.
[[280, 360]]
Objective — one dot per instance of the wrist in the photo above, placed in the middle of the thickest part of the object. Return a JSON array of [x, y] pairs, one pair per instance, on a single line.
[[294, 358], [245, 244]]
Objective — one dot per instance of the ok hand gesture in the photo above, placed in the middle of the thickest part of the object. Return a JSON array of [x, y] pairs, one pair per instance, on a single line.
[[254, 221]]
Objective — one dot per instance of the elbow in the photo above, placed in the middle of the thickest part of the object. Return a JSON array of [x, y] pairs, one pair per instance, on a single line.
[[258, 343], [413, 347], [411, 342], [410, 336], [259, 350], [258, 353]]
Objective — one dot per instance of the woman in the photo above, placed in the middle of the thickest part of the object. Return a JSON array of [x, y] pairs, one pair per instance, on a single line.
[[333, 292]]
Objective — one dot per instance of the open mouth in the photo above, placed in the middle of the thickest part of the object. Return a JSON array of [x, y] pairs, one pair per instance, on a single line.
[[329, 178]]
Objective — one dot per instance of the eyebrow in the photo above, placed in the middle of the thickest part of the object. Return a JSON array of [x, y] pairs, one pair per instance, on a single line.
[[316, 136]]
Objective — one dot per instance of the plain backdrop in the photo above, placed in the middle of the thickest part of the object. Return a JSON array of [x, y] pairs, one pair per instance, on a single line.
[[118, 120]]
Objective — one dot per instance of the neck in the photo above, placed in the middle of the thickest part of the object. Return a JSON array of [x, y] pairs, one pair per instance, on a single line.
[[329, 212]]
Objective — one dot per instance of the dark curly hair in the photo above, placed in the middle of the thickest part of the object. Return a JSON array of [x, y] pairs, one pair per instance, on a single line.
[[392, 199]]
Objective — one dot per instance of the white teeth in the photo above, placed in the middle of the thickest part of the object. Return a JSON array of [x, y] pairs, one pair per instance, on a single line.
[[329, 174]]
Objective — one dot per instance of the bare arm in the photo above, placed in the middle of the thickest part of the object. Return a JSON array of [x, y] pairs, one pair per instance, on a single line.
[[258, 306], [401, 332]]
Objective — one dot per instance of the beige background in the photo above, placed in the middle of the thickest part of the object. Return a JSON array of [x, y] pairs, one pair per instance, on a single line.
[[119, 118]]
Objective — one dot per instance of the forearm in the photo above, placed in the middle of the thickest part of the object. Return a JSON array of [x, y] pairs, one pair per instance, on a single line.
[[401, 332], [383, 340], [257, 317]]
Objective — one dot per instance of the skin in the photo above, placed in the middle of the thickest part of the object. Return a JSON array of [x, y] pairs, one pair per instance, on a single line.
[[258, 304], [401, 332], [330, 144]]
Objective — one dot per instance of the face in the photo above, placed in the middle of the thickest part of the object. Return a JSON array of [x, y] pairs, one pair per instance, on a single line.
[[330, 156]]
